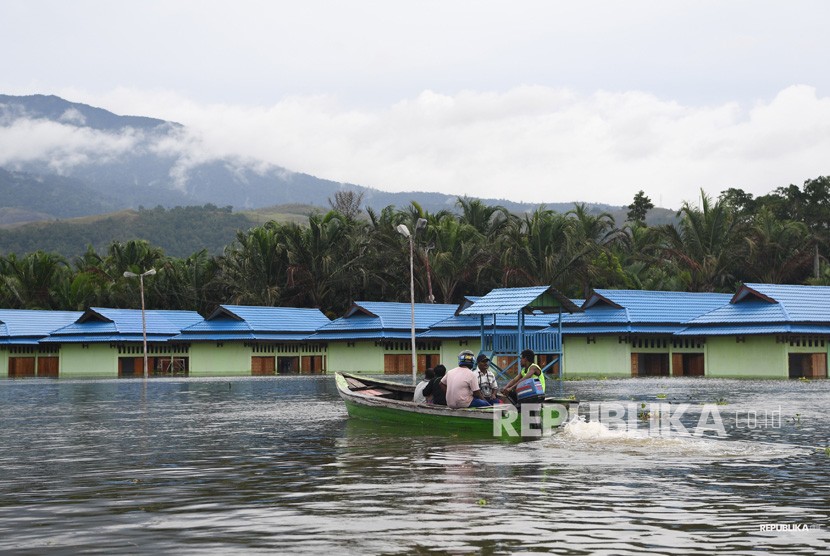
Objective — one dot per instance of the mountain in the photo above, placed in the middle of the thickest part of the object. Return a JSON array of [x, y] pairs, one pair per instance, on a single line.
[[97, 162]]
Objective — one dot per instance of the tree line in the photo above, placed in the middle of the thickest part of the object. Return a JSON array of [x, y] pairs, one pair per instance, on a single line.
[[349, 254]]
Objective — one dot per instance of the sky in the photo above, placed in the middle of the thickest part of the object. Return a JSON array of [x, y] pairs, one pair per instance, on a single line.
[[532, 101]]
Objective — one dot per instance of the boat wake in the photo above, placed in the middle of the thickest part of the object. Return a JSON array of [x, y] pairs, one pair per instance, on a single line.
[[592, 437]]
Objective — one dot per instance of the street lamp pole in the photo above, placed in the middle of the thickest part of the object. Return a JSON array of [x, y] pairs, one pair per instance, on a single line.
[[140, 277], [404, 231]]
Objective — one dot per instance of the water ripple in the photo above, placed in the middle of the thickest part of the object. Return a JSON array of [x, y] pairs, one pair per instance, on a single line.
[[273, 465]]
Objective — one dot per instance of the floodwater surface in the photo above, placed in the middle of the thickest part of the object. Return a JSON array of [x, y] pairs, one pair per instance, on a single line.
[[275, 465]]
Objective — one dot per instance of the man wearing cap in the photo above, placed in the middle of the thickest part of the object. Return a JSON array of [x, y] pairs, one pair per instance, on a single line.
[[487, 380], [529, 369], [461, 384]]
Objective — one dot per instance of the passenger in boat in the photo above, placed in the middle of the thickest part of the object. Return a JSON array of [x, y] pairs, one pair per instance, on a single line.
[[432, 391], [487, 380], [461, 385], [529, 369], [418, 396]]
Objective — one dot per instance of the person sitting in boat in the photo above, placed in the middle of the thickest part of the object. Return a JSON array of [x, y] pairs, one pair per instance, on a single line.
[[487, 380], [418, 396], [461, 385], [433, 392], [529, 369]]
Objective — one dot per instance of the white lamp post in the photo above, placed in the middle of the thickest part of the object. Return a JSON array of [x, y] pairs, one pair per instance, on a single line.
[[140, 277], [404, 231]]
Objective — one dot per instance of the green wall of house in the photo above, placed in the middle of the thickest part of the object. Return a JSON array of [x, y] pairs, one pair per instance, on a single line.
[[355, 357], [225, 359], [451, 348], [723, 356], [605, 356], [754, 357], [92, 361]]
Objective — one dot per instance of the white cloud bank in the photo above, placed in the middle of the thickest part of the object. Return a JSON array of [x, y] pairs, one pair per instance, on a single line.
[[532, 144]]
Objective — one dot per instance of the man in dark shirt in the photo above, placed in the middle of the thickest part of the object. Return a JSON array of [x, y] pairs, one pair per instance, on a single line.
[[439, 397]]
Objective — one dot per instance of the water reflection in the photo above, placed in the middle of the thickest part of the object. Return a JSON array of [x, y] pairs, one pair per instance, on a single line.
[[272, 464]]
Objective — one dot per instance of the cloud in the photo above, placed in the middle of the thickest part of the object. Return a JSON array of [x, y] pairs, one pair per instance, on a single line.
[[61, 146], [534, 144], [530, 143]]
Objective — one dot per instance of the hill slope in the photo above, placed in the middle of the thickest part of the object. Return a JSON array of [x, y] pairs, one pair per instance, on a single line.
[[94, 161]]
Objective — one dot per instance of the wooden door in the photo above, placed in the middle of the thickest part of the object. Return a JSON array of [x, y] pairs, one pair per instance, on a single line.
[[263, 366], [396, 364], [47, 367], [20, 367], [677, 364]]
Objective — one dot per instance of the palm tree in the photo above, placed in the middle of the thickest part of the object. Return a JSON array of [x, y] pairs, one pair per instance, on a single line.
[[780, 251], [190, 284], [594, 235], [324, 261], [252, 270], [36, 281], [459, 257], [704, 245]]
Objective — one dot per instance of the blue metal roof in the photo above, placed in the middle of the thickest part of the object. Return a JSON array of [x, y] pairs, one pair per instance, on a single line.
[[754, 329], [800, 303], [502, 321], [21, 323], [377, 315], [239, 336], [502, 301], [255, 323], [755, 304], [621, 329], [357, 335], [113, 325], [450, 334], [642, 306]]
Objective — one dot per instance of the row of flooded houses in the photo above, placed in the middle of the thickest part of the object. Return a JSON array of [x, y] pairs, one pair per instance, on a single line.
[[760, 331]]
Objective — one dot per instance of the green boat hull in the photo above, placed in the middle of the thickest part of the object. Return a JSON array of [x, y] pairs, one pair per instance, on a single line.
[[499, 421]]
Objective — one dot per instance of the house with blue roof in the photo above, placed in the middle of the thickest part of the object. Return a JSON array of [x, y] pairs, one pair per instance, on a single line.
[[766, 330], [375, 337], [243, 340], [108, 343], [21, 354], [633, 333]]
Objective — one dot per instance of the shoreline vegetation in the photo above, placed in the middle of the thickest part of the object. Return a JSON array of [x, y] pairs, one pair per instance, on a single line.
[[327, 260]]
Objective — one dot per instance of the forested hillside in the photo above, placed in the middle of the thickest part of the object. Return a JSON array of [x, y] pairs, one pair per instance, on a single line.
[[180, 231]]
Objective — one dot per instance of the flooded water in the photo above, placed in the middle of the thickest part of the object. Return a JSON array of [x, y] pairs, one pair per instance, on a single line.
[[274, 465]]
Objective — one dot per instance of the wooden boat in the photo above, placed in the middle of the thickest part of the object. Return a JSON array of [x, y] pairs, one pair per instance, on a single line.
[[390, 403]]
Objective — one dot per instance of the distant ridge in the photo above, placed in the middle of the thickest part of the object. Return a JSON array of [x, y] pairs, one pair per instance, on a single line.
[[134, 161]]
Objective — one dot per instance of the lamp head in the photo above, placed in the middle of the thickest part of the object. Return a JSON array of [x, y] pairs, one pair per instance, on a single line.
[[403, 230]]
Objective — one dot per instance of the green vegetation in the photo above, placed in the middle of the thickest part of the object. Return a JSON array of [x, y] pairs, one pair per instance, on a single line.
[[327, 260]]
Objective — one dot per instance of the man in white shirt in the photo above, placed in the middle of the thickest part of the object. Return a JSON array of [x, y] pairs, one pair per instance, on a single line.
[[419, 397]]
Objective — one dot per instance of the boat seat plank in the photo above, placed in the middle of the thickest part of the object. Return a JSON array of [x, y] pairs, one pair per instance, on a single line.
[[354, 383], [376, 392]]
